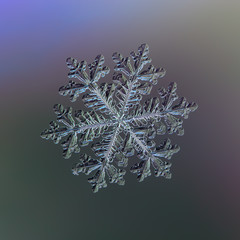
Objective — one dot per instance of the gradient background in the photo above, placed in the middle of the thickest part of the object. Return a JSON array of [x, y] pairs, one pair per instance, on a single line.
[[197, 42]]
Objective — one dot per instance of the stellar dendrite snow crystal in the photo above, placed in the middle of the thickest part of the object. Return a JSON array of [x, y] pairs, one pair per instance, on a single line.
[[119, 124]]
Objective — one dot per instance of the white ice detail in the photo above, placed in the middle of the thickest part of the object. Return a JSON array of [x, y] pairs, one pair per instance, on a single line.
[[118, 117]]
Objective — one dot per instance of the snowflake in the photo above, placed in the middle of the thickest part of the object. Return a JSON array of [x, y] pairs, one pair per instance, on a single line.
[[124, 124]]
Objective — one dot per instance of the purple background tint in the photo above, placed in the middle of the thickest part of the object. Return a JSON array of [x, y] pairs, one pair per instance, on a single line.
[[197, 42]]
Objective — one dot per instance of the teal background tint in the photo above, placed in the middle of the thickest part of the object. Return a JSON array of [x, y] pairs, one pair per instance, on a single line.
[[197, 42]]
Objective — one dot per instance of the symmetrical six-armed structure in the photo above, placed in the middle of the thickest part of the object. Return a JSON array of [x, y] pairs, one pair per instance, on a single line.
[[123, 125]]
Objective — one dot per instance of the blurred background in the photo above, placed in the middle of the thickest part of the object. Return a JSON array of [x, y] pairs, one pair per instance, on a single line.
[[197, 42]]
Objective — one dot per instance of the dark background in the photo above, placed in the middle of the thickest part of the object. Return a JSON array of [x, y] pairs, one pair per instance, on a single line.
[[197, 42]]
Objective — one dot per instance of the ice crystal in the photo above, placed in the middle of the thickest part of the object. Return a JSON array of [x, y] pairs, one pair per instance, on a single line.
[[123, 124]]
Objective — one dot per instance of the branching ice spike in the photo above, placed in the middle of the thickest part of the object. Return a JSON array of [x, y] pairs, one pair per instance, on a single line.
[[118, 124]]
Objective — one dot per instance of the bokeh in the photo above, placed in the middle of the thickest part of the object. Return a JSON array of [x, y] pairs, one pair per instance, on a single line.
[[197, 42]]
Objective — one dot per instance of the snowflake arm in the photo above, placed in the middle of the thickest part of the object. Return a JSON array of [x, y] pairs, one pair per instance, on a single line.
[[154, 111], [152, 155], [98, 98], [130, 91], [90, 125], [87, 165]]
